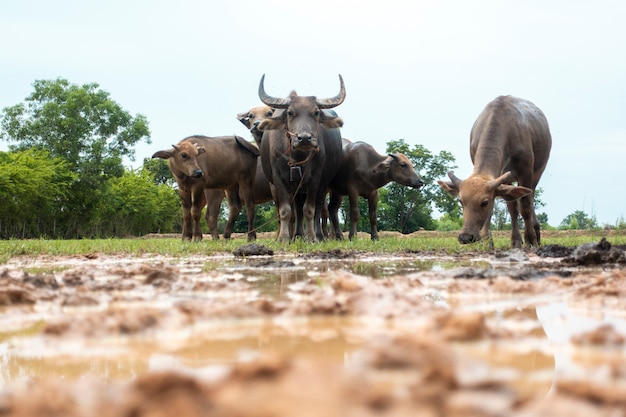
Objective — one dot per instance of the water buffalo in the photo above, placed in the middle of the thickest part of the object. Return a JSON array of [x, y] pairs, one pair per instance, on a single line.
[[510, 141], [363, 171], [301, 154], [253, 117], [201, 163]]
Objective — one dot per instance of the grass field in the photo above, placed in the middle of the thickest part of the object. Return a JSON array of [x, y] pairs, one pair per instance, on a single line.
[[389, 243]]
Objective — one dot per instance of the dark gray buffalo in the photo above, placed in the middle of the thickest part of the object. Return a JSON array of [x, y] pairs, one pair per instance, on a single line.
[[202, 164], [510, 141], [300, 155], [363, 171]]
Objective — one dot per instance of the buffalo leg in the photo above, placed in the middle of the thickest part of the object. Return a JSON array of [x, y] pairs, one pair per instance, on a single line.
[[297, 207], [197, 205], [248, 202], [185, 199], [333, 214], [284, 208], [531, 224], [234, 207], [214, 202], [320, 217], [372, 202], [308, 212], [516, 237], [354, 213]]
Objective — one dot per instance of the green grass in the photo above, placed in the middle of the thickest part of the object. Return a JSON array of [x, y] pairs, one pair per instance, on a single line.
[[389, 243]]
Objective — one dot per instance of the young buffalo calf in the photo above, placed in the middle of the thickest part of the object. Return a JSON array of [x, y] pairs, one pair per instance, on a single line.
[[203, 164]]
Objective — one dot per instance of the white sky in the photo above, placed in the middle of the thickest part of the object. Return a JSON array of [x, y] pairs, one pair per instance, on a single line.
[[415, 70]]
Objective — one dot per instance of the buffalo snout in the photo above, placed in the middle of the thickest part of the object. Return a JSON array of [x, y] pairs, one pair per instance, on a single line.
[[465, 238], [197, 173], [418, 183], [305, 140]]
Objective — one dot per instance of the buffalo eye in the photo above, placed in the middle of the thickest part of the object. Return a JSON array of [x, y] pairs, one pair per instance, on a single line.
[[317, 113], [290, 113], [484, 203], [184, 155]]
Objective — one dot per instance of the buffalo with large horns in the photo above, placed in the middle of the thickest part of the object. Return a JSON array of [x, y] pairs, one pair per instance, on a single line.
[[300, 155]]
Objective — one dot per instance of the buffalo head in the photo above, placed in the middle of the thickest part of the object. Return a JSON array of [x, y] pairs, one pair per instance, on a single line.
[[183, 159], [477, 196], [253, 117], [397, 167], [301, 116]]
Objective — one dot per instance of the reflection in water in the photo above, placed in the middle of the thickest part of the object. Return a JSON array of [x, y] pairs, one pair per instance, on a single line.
[[210, 347]]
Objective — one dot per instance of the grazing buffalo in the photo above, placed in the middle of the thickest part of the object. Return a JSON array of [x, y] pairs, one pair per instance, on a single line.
[[301, 154], [510, 141], [201, 163], [363, 171]]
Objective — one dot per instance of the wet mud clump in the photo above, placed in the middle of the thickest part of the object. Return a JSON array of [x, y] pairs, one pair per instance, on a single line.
[[596, 253], [253, 249]]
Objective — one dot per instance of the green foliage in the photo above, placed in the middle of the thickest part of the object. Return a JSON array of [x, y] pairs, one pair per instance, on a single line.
[[448, 223], [579, 220], [134, 204], [160, 171], [33, 189], [84, 127]]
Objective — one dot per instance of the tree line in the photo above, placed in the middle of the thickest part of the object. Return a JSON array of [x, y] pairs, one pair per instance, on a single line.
[[63, 175]]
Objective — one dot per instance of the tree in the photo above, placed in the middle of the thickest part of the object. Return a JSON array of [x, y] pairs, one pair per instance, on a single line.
[[407, 210], [579, 220], [160, 171], [87, 129]]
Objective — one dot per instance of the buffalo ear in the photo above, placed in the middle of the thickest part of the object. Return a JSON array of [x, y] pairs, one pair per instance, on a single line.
[[164, 154], [201, 150], [332, 123], [243, 118], [512, 192], [384, 165], [449, 187]]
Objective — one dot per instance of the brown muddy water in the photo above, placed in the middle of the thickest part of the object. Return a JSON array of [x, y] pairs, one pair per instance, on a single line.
[[536, 332]]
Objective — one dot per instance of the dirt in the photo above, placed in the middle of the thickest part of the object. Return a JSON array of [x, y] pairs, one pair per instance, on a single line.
[[337, 333]]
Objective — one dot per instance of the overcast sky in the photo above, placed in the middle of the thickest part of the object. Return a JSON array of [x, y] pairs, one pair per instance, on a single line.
[[421, 71]]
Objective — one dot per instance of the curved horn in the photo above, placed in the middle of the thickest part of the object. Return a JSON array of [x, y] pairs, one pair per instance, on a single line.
[[277, 103], [329, 103], [393, 155], [456, 181], [504, 178]]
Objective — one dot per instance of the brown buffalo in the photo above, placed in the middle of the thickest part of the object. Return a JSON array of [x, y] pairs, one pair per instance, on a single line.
[[510, 141], [253, 117], [261, 191], [201, 163], [300, 155], [363, 171]]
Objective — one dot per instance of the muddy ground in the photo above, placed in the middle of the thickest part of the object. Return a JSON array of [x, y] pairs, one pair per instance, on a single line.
[[341, 333]]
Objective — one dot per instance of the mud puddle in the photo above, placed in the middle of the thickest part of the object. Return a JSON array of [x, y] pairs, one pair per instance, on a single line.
[[511, 333]]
